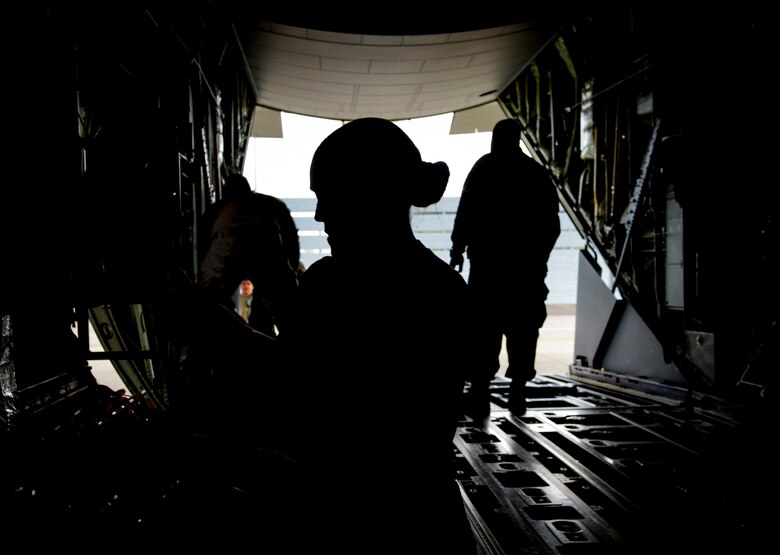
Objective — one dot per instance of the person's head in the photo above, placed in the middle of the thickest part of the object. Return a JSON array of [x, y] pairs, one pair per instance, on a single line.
[[506, 136], [235, 185], [247, 287], [368, 174]]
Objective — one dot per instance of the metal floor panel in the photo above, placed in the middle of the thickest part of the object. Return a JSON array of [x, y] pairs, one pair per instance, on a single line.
[[598, 469]]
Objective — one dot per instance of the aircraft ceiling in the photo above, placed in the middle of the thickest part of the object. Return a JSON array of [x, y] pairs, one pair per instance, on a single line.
[[324, 66]]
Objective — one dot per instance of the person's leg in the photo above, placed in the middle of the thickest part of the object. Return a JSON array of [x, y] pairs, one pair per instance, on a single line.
[[521, 342], [487, 348], [521, 352]]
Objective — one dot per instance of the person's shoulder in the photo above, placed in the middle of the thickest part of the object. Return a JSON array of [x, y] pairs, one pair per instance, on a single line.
[[261, 197], [442, 268], [488, 158], [322, 278], [264, 201], [480, 170], [271, 200], [530, 160], [327, 265], [533, 165]]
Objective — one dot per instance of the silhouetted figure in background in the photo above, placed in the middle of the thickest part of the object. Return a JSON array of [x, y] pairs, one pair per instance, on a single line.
[[251, 235], [508, 220], [376, 344]]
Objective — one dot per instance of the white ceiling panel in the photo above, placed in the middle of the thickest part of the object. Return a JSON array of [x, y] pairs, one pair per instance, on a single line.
[[317, 68]]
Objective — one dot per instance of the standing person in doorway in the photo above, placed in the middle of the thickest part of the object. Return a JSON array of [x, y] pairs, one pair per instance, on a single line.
[[375, 346], [507, 222], [245, 289], [250, 235]]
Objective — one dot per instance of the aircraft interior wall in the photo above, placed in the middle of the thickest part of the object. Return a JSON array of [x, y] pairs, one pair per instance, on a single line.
[[651, 126]]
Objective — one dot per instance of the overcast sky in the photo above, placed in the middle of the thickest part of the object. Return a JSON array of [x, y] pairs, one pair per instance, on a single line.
[[280, 167]]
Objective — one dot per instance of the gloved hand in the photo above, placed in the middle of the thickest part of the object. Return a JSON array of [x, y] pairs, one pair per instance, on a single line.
[[456, 260]]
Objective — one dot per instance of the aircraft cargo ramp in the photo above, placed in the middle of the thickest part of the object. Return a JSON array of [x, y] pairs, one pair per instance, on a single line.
[[595, 468]]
